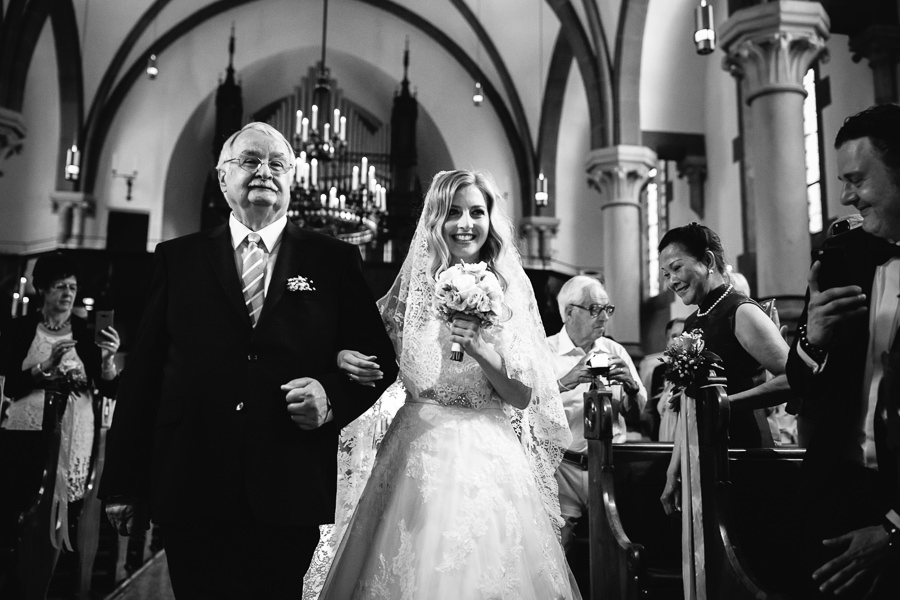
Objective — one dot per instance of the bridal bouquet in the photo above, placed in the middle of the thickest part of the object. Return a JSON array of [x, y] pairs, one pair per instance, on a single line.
[[686, 358], [469, 289]]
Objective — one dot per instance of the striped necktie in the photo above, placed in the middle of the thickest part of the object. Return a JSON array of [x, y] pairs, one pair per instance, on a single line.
[[253, 275]]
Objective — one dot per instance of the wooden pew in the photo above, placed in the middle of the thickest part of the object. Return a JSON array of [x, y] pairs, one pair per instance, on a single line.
[[747, 498]]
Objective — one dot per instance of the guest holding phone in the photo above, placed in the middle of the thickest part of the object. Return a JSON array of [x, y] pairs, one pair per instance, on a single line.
[[54, 348]]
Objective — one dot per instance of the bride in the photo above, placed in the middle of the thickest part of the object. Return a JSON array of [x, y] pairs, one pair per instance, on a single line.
[[461, 501]]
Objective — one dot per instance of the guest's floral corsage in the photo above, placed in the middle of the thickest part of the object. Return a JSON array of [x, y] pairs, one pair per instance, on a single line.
[[687, 361], [66, 383], [300, 284], [469, 289]]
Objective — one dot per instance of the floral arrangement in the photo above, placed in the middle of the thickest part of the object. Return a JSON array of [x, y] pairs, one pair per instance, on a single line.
[[300, 284], [73, 381], [469, 289], [685, 359]]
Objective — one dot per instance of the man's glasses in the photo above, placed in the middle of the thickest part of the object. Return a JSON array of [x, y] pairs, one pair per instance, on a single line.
[[61, 287], [597, 309], [251, 164]]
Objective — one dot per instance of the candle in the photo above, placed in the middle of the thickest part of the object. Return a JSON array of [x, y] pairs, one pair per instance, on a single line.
[[337, 121], [315, 117], [25, 306], [326, 131], [298, 128], [304, 129], [324, 200], [372, 178], [22, 282], [354, 179], [305, 176], [364, 167], [332, 198], [314, 172], [343, 134], [343, 201], [15, 304]]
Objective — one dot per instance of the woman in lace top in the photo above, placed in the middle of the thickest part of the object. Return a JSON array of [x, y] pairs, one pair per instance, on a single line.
[[52, 348], [461, 501]]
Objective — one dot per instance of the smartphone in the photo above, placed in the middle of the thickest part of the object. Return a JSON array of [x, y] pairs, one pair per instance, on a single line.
[[102, 320], [835, 269]]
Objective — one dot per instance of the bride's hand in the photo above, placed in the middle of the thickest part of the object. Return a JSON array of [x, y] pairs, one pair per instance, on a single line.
[[359, 368], [466, 331]]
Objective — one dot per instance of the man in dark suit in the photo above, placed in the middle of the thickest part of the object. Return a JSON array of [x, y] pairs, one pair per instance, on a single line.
[[231, 402], [850, 503]]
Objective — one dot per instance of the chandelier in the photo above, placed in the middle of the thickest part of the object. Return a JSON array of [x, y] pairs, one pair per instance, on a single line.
[[335, 189]]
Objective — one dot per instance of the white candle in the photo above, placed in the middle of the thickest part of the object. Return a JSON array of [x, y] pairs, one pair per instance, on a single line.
[[25, 306], [298, 124], [314, 172], [343, 201], [332, 198], [324, 200], [337, 121], [305, 176], [22, 282], [326, 131], [315, 117], [354, 179], [364, 167], [15, 304], [304, 129], [343, 129], [372, 178]]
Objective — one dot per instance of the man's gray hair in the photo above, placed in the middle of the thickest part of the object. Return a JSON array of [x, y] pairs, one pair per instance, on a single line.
[[572, 291], [265, 128]]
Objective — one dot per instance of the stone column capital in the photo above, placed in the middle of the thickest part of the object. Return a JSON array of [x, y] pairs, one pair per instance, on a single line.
[[619, 173], [772, 45], [878, 43], [12, 133]]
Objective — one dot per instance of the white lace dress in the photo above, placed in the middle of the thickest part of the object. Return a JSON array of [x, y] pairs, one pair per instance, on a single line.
[[451, 509]]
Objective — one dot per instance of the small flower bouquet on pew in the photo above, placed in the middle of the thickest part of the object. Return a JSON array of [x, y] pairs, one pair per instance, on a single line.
[[469, 289], [687, 363]]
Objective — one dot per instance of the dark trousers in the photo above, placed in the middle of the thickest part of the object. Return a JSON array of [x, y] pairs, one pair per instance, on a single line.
[[238, 558]]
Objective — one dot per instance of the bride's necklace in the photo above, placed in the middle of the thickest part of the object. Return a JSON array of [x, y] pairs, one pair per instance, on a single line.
[[709, 310], [58, 326]]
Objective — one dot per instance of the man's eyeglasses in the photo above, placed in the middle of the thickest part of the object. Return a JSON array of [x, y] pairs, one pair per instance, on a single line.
[[597, 309], [251, 164], [61, 287]]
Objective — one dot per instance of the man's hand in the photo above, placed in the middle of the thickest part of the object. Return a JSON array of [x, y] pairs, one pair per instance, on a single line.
[[307, 403], [578, 374], [126, 516], [830, 307], [619, 371], [359, 368], [864, 550]]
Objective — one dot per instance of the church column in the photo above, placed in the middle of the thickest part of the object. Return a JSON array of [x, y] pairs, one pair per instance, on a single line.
[[539, 234], [770, 47], [72, 208], [619, 174], [694, 168], [881, 45]]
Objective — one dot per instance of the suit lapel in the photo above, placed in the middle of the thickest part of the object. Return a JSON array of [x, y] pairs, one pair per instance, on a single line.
[[286, 265], [221, 257]]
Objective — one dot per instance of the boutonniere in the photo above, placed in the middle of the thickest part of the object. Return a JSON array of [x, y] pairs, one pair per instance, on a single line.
[[300, 284]]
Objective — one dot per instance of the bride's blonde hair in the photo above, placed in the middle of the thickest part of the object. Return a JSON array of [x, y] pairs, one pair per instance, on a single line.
[[438, 201]]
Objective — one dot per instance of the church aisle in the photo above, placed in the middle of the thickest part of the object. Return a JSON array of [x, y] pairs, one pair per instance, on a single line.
[[150, 582]]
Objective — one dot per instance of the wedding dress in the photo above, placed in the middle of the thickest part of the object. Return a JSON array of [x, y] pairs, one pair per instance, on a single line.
[[461, 502]]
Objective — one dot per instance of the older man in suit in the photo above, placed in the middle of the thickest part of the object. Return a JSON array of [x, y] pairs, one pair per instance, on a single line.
[[850, 503], [229, 411]]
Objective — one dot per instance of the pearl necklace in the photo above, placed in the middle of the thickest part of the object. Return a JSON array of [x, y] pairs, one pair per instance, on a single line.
[[47, 324], [709, 310]]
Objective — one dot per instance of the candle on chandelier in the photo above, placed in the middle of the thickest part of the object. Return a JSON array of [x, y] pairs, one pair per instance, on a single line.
[[25, 306], [305, 175], [372, 178], [363, 169], [337, 121], [298, 127], [343, 133], [354, 179], [326, 131], [332, 198], [304, 129], [314, 172], [22, 282], [315, 117], [324, 200], [343, 201], [15, 304]]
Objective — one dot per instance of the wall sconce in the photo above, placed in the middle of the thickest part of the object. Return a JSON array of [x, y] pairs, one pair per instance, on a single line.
[[73, 163], [541, 197], [129, 180], [478, 95], [152, 67], [704, 33]]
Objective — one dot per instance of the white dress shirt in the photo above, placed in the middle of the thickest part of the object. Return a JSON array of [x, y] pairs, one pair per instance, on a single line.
[[271, 239]]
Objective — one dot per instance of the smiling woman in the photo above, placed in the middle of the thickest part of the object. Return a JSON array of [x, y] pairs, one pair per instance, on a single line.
[[467, 225]]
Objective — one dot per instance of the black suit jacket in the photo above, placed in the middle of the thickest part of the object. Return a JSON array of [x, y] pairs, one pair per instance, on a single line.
[[832, 399], [201, 425]]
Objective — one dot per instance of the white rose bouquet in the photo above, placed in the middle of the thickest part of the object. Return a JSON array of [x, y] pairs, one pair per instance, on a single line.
[[469, 289]]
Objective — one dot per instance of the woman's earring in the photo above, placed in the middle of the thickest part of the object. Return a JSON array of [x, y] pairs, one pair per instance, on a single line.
[[710, 271]]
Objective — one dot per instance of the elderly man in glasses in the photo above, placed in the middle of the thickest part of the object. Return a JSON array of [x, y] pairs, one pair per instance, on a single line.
[[231, 404], [585, 309]]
